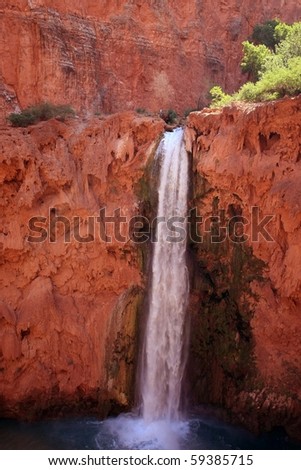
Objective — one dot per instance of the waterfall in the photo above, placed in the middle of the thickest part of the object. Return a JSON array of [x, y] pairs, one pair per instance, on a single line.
[[164, 355]]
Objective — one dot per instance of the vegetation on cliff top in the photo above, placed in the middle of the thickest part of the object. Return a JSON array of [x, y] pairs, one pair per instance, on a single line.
[[272, 62], [40, 112]]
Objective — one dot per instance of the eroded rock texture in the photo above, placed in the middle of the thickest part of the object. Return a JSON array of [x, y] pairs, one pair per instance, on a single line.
[[246, 299], [108, 56], [68, 311]]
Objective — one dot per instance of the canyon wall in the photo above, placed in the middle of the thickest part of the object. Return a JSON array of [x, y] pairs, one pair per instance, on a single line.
[[245, 352], [69, 311], [70, 298], [109, 56], [70, 308]]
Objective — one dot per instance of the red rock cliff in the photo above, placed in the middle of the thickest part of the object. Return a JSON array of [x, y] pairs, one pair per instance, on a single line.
[[68, 310], [116, 55], [246, 300]]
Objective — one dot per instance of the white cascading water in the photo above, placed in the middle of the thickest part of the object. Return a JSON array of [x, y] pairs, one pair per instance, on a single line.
[[164, 344], [164, 361]]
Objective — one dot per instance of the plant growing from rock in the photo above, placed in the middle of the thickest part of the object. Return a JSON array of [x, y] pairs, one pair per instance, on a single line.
[[170, 116], [275, 74], [40, 112]]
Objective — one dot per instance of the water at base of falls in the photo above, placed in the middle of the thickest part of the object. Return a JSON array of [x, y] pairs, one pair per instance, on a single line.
[[199, 432], [133, 432]]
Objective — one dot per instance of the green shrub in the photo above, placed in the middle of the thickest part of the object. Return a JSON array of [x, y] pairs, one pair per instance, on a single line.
[[272, 62], [254, 58], [285, 80], [219, 98], [290, 46], [141, 111], [248, 92], [253, 92], [170, 116], [276, 74], [281, 31], [265, 34], [40, 112], [274, 83]]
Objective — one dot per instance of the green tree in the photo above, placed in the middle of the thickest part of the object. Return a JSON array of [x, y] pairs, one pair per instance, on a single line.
[[275, 74], [281, 31], [254, 59], [265, 34], [274, 84], [290, 46], [284, 80]]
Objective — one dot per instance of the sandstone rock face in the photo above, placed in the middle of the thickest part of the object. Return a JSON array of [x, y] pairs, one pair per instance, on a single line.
[[246, 298], [111, 56], [68, 310]]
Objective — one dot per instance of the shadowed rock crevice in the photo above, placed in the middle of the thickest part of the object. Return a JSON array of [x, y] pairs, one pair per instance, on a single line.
[[245, 297]]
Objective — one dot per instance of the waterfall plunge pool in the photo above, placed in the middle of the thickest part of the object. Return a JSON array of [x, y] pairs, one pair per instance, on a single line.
[[199, 432]]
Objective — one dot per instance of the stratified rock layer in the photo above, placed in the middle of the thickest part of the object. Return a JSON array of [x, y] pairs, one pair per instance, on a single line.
[[68, 310], [246, 299], [108, 56]]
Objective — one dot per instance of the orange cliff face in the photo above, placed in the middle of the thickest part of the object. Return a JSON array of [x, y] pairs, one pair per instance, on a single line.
[[68, 310], [111, 56], [246, 300]]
